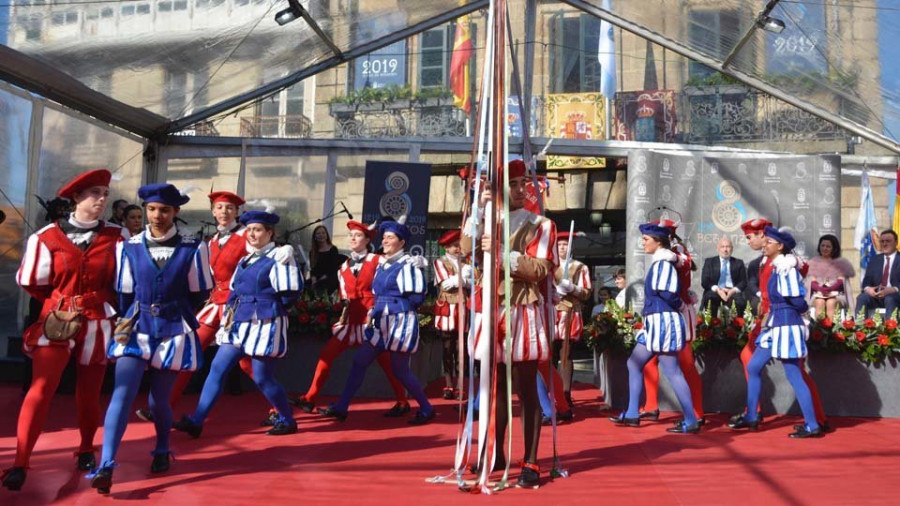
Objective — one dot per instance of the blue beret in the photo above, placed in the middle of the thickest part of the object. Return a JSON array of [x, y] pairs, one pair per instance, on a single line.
[[163, 193], [654, 229], [782, 236], [398, 229], [263, 217]]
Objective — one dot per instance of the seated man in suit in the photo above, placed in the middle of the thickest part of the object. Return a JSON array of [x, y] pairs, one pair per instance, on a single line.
[[881, 283], [724, 279]]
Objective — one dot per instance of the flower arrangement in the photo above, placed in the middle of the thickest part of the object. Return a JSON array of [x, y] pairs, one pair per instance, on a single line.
[[874, 339], [314, 314], [727, 330], [613, 329]]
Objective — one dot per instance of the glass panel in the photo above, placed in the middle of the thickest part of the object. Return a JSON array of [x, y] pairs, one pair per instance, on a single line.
[[71, 146], [15, 122], [197, 177]]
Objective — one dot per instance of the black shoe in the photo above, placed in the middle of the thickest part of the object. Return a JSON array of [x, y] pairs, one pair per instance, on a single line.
[[282, 429], [568, 396], [397, 410], [628, 422], [804, 433], [529, 478], [14, 478], [330, 412], [546, 420], [86, 461], [741, 423], [739, 416], [649, 415], [102, 480], [303, 404], [188, 426], [448, 394], [270, 419], [568, 416], [824, 425], [144, 414], [700, 421], [160, 462], [421, 419], [682, 428]]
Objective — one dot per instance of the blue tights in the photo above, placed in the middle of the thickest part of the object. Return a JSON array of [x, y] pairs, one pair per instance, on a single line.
[[263, 375], [794, 375], [669, 364], [129, 371], [544, 397], [365, 355]]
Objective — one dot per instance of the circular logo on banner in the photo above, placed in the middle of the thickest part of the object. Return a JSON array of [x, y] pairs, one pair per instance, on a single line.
[[395, 202], [725, 215]]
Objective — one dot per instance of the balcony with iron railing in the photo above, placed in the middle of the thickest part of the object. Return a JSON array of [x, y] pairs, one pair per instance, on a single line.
[[296, 126]]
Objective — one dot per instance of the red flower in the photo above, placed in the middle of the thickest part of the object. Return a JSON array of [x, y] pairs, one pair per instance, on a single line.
[[301, 304], [860, 336], [322, 319], [849, 324], [869, 323], [303, 318], [840, 337], [884, 340], [320, 305], [816, 335], [738, 322], [827, 323], [638, 326], [628, 316], [715, 322], [706, 333], [731, 333], [890, 324], [699, 320], [337, 307]]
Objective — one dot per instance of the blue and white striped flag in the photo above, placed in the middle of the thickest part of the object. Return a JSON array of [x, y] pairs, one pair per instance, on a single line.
[[865, 223], [606, 54]]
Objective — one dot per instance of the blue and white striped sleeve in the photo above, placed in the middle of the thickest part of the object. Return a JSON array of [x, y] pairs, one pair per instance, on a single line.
[[200, 275], [664, 278], [790, 284], [411, 280], [286, 277], [124, 274]]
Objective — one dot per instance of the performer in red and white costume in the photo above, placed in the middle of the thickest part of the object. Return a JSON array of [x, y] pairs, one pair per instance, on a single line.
[[573, 289], [447, 276], [355, 282], [69, 266]]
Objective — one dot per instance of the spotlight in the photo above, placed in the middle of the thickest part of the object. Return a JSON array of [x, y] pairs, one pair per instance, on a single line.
[[770, 24], [293, 12]]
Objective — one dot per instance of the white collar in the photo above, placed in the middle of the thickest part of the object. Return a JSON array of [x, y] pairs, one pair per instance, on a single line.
[[82, 224], [227, 229], [168, 235], [261, 251], [358, 256], [393, 258]]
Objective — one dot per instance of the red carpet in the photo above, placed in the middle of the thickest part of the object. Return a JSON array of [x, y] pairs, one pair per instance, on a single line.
[[370, 459]]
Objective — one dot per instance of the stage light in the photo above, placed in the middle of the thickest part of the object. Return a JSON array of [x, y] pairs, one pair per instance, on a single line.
[[293, 12], [770, 24]]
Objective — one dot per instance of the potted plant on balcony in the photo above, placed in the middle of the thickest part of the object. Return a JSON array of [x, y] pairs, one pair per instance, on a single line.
[[433, 97], [398, 97]]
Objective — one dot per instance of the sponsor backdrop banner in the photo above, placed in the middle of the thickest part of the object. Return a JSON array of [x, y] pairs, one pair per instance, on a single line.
[[388, 193], [716, 192]]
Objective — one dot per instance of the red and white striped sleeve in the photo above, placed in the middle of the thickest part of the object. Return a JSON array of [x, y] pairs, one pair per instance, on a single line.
[[543, 246], [341, 283], [584, 280], [36, 270], [440, 272]]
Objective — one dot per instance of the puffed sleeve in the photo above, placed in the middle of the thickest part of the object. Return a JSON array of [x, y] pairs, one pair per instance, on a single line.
[[285, 279], [36, 270], [540, 259], [124, 278], [411, 282], [664, 283], [790, 286]]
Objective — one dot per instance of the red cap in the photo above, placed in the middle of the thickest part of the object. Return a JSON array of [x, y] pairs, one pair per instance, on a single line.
[[90, 179], [362, 227], [449, 237], [229, 197], [516, 169], [669, 224], [755, 225], [562, 236]]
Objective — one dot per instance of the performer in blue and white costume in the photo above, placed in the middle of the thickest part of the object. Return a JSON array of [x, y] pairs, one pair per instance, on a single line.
[[255, 324], [399, 289], [161, 278], [664, 333], [783, 337]]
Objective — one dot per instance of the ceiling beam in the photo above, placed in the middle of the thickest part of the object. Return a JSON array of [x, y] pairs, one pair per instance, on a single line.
[[749, 80], [334, 61], [38, 77]]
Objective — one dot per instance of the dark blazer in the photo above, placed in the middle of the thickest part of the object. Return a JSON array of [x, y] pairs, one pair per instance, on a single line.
[[712, 269], [753, 276], [876, 268]]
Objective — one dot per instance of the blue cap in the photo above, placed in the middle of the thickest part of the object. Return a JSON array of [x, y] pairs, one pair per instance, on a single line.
[[782, 236], [163, 193], [270, 219], [654, 229], [396, 228]]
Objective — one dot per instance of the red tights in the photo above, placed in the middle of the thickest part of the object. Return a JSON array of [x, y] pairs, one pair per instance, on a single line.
[[559, 395], [206, 335], [47, 369], [333, 348], [688, 369]]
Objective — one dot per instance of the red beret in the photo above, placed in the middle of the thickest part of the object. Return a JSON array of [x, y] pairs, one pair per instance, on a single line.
[[362, 227], [669, 224], [755, 225], [516, 169], [449, 237], [229, 197], [562, 236], [90, 179]]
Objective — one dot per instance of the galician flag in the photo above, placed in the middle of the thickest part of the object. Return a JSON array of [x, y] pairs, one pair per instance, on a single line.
[[865, 223]]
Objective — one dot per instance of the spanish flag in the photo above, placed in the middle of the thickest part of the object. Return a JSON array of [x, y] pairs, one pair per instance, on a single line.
[[459, 65]]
